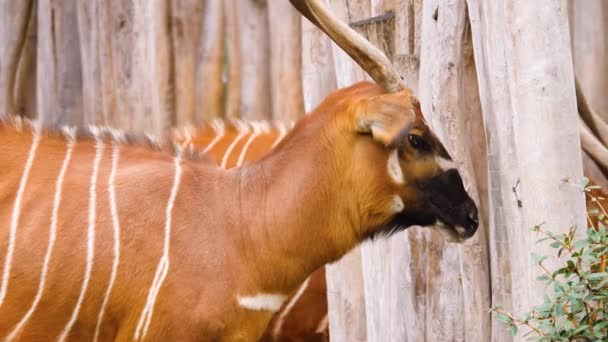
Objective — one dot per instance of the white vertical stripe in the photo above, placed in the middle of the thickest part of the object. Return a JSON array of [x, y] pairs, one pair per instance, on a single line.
[[90, 236], [282, 133], [116, 237], [243, 131], [52, 237], [16, 213], [323, 324], [279, 323], [257, 130], [219, 129], [163, 266]]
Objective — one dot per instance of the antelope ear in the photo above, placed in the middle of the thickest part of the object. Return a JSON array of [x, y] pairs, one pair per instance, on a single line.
[[387, 116]]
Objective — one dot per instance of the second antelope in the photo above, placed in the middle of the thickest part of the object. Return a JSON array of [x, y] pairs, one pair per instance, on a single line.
[[167, 248]]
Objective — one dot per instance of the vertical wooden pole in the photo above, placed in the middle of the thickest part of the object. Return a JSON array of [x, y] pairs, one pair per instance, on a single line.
[[59, 84], [211, 62], [285, 60], [254, 56], [522, 54], [458, 291], [318, 75], [186, 23], [15, 18]]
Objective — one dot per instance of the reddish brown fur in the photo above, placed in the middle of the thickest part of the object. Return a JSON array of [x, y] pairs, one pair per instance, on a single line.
[[243, 231]]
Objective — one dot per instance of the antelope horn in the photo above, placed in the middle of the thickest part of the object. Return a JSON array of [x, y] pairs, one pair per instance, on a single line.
[[369, 57]]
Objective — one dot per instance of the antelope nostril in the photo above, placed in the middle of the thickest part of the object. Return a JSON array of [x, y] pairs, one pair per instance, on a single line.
[[472, 219]]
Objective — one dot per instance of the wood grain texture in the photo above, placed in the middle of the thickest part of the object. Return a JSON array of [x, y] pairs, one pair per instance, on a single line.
[[318, 75], [254, 57], [126, 64], [589, 33], [15, 19], [186, 26], [211, 62], [458, 296], [285, 60], [527, 95]]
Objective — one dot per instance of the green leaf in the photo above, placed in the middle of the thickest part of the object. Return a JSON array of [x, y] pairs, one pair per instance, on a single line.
[[513, 330], [584, 182], [594, 276], [502, 318], [582, 244]]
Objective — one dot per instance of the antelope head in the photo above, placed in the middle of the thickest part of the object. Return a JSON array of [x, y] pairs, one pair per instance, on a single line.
[[392, 164]]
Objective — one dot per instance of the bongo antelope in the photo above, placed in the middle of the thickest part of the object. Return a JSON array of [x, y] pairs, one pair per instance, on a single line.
[[110, 240]]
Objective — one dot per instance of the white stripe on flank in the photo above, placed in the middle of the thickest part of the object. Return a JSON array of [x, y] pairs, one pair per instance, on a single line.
[[116, 237], [163, 266], [282, 133], [219, 129], [99, 146], [277, 328], [16, 213], [257, 130], [52, 237], [243, 130], [322, 325]]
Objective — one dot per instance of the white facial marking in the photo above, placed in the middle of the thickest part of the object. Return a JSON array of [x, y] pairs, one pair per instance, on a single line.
[[163, 266], [52, 238], [394, 169], [16, 214], [447, 233], [116, 233], [445, 164], [460, 230], [262, 302], [397, 204]]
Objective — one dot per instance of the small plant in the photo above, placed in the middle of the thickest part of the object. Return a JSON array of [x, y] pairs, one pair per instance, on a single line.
[[577, 307]]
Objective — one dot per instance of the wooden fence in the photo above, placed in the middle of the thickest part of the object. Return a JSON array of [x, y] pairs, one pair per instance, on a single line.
[[495, 79]]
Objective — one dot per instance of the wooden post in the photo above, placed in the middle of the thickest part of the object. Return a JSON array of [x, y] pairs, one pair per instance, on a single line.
[[210, 65], [318, 75], [59, 84], [522, 54], [285, 60], [127, 65], [186, 21], [458, 291], [254, 56], [15, 18], [589, 37]]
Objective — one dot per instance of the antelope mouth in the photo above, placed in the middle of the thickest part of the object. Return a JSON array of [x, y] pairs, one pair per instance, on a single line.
[[450, 231]]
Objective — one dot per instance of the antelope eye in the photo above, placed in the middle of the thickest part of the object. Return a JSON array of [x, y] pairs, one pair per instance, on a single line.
[[418, 143]]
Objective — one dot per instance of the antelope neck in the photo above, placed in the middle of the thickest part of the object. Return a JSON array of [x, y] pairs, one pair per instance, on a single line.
[[293, 205]]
